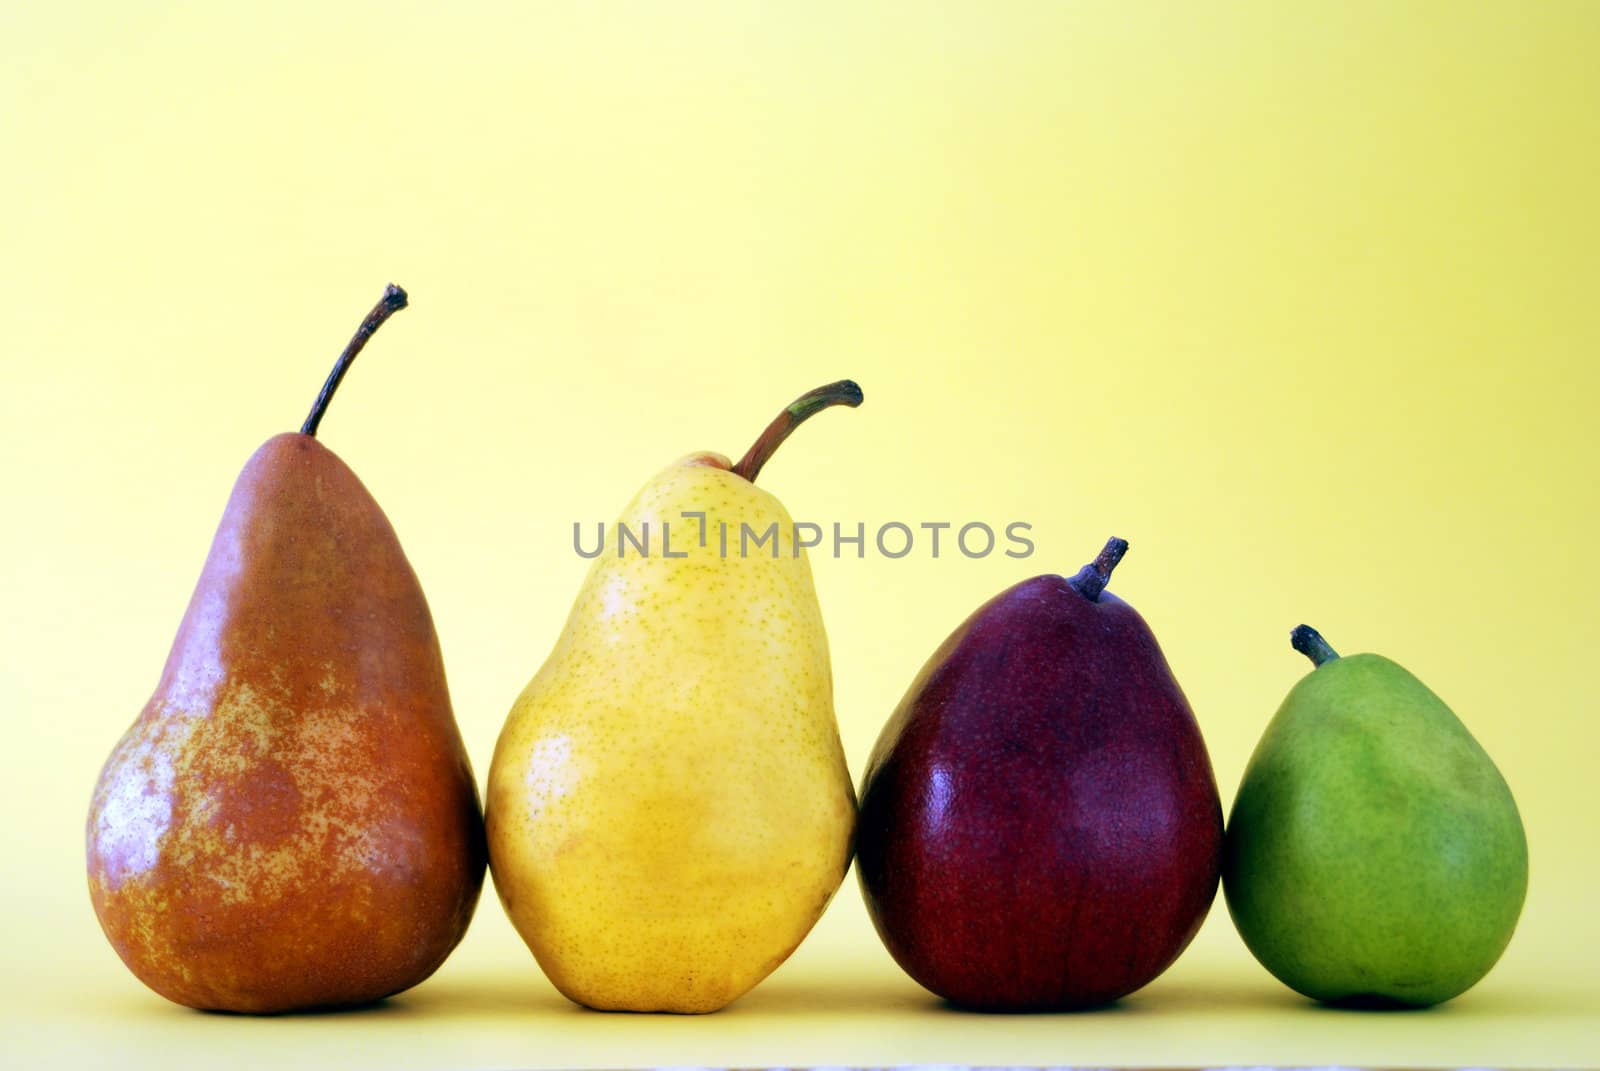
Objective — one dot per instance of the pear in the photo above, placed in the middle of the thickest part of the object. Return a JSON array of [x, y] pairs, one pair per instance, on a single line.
[[1374, 854], [1040, 827], [669, 810], [292, 821]]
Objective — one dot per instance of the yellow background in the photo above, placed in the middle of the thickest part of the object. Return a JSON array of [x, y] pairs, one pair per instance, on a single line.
[[1298, 298]]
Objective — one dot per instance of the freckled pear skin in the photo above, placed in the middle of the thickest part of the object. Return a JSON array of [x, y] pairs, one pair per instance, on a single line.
[[292, 821], [669, 810], [1040, 827], [1374, 852]]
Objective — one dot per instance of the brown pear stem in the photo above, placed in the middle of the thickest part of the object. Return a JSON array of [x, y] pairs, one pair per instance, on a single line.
[[803, 408], [1309, 642], [393, 300], [1092, 578]]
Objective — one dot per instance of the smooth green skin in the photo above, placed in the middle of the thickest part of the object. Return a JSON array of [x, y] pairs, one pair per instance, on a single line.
[[1374, 851]]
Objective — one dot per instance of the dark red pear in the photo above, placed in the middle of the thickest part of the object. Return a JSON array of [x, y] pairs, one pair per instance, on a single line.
[[1039, 824], [292, 821]]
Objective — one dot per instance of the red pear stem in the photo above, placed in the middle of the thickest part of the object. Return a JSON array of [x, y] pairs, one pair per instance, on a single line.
[[394, 299], [1309, 642], [803, 408], [1092, 578]]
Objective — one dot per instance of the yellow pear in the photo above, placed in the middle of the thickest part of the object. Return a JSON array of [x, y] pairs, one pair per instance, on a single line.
[[669, 810]]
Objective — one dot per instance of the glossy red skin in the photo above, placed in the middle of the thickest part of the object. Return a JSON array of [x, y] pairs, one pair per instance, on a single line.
[[292, 821], [1040, 825]]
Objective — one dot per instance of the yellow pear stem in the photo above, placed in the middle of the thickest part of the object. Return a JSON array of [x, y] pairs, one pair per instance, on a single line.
[[803, 408], [1309, 642], [394, 299], [1091, 580]]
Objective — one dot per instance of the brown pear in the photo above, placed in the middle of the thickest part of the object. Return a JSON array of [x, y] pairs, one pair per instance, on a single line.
[[292, 821]]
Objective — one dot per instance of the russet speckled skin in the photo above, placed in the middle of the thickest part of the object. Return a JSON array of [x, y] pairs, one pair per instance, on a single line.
[[1040, 825], [669, 810], [292, 821]]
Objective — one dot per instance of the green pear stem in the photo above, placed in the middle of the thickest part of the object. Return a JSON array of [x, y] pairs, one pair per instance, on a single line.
[[394, 299], [1309, 642], [1092, 578], [803, 408]]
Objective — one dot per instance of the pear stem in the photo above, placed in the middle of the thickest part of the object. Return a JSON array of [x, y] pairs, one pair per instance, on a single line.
[[803, 408], [1092, 578], [1309, 642], [394, 299]]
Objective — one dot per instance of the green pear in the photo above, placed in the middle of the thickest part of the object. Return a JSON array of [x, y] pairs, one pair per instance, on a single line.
[[1374, 855], [669, 810]]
